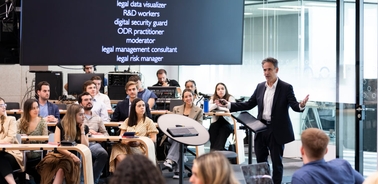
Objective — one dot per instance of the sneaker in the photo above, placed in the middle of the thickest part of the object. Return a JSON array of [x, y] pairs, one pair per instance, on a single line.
[[176, 176], [168, 163]]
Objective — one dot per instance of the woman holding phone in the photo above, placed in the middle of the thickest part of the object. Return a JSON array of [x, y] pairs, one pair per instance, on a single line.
[[63, 164], [139, 123], [220, 127]]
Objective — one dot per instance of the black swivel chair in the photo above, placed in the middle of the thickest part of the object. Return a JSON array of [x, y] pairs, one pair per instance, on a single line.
[[12, 106]]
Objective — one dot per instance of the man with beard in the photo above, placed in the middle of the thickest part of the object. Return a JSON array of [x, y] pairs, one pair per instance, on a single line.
[[122, 110], [96, 127], [98, 107], [47, 110]]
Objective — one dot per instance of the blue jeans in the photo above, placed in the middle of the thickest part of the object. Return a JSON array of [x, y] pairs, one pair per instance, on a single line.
[[99, 159]]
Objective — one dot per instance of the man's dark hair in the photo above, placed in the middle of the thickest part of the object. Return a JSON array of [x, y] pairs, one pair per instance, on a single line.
[[79, 98], [96, 77], [87, 83], [161, 71], [270, 60], [137, 168], [39, 86], [134, 78]]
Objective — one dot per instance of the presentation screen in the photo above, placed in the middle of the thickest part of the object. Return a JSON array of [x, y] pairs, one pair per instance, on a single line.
[[131, 32]]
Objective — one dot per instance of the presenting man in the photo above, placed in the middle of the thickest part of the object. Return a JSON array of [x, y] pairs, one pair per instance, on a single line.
[[96, 127], [315, 168], [273, 99], [47, 110]]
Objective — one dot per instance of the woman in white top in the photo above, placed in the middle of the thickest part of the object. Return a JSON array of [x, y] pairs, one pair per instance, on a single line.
[[220, 127]]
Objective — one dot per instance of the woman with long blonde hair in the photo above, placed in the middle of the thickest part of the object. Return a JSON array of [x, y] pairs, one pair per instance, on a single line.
[[10, 159], [212, 168]]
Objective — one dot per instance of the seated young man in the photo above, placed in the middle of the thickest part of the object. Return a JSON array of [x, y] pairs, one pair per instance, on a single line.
[[316, 169]]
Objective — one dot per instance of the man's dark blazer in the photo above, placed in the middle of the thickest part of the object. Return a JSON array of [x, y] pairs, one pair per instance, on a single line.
[[121, 112], [280, 120], [53, 110]]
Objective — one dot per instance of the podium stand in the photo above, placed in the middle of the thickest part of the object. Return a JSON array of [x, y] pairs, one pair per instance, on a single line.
[[252, 125], [171, 120]]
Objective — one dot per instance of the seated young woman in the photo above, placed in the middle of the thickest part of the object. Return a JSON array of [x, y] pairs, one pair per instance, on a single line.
[[64, 164], [32, 125], [197, 99], [220, 127], [139, 123], [212, 168], [10, 159], [187, 109]]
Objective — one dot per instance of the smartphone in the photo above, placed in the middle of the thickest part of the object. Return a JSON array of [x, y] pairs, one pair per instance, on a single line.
[[223, 101], [128, 134]]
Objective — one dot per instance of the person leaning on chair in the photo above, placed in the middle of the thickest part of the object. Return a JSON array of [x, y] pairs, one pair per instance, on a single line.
[[315, 168], [273, 98]]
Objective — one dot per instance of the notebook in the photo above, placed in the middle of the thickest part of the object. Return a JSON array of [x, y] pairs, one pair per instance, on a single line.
[[182, 131]]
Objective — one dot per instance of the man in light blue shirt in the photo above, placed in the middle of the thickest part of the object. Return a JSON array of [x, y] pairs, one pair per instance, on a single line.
[[47, 110], [316, 169]]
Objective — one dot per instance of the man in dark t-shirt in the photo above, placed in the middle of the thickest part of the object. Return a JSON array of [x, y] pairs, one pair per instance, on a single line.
[[164, 81]]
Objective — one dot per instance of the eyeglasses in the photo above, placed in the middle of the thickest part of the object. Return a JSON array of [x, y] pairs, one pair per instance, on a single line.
[[3, 105]]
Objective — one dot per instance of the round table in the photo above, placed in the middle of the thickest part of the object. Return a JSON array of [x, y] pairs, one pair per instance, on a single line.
[[171, 120]]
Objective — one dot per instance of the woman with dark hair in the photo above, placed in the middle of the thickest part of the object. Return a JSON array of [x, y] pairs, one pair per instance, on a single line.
[[212, 168], [32, 125], [64, 164], [139, 123], [197, 99], [10, 159], [136, 169], [220, 128], [187, 109]]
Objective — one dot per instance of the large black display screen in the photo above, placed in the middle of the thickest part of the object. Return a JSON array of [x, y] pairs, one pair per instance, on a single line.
[[133, 32]]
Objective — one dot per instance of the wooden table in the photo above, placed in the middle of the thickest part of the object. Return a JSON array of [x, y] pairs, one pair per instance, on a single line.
[[82, 149], [147, 142]]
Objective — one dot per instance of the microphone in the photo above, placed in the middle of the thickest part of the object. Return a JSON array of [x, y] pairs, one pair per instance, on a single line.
[[204, 95]]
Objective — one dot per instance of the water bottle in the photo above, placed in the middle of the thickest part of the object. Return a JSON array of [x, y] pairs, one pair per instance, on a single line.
[[206, 106]]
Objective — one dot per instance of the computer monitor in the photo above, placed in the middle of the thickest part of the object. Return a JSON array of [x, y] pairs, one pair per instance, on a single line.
[[76, 81], [164, 91]]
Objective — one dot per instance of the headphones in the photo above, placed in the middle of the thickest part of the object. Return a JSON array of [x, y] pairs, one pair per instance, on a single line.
[[94, 67]]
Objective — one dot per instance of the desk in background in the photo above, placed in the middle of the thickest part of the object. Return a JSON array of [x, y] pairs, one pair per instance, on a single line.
[[147, 142]]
